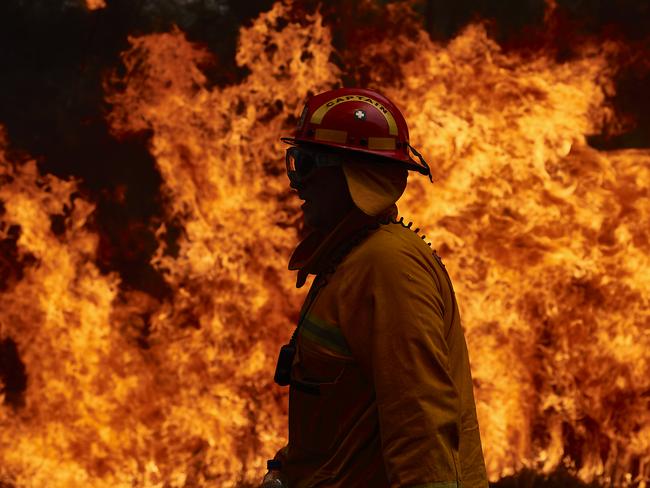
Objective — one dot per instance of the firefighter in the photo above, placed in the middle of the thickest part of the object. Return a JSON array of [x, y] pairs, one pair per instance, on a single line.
[[380, 386]]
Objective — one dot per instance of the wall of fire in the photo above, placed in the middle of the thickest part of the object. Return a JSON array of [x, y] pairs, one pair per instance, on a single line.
[[145, 225]]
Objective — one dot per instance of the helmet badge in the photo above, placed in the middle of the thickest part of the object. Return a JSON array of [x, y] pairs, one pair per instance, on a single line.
[[360, 114]]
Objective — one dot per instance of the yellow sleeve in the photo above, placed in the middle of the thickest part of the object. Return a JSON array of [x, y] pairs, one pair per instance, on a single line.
[[391, 313]]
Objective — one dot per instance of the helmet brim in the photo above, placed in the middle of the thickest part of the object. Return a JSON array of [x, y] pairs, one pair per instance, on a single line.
[[405, 160]]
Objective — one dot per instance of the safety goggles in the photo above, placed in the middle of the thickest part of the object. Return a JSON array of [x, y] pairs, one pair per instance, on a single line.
[[302, 162]]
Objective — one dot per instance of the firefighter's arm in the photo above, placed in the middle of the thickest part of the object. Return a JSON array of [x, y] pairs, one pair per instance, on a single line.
[[397, 333]]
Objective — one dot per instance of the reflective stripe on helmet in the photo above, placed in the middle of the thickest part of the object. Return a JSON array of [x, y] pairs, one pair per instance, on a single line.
[[331, 135], [382, 143]]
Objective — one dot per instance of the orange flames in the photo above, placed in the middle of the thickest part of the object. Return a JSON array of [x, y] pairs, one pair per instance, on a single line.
[[546, 239], [95, 4]]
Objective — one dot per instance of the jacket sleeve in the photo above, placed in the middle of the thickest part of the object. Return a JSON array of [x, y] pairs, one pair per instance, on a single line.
[[391, 312]]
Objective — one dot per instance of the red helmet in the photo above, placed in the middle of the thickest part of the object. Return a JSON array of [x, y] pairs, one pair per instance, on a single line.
[[359, 120]]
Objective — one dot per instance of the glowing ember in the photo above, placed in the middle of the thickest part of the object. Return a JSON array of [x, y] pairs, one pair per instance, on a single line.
[[546, 238]]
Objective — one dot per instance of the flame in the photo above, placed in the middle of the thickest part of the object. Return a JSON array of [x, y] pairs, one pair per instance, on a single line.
[[95, 4], [545, 237], [58, 314]]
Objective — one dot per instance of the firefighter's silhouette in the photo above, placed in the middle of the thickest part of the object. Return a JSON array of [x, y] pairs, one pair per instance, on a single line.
[[380, 385]]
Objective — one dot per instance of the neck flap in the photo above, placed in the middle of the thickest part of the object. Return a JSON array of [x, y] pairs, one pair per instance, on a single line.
[[314, 253]]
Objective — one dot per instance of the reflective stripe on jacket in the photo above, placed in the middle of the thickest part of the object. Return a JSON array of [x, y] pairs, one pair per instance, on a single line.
[[381, 389]]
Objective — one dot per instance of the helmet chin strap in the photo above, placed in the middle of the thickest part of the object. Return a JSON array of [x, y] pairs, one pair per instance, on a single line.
[[424, 163]]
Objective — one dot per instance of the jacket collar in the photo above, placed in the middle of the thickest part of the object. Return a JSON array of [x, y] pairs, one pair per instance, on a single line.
[[315, 252]]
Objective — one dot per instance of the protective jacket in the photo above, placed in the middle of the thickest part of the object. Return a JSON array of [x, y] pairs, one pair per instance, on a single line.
[[381, 391]]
